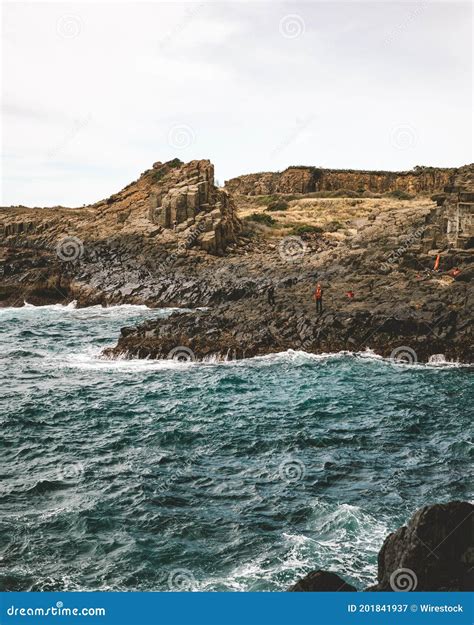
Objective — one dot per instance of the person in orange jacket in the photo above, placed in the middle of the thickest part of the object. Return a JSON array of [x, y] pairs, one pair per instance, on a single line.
[[436, 264], [318, 297]]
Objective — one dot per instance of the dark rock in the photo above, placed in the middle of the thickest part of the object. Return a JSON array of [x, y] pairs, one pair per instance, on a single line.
[[435, 551], [322, 581]]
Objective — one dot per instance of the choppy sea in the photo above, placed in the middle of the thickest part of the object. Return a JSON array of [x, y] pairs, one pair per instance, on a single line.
[[241, 475]]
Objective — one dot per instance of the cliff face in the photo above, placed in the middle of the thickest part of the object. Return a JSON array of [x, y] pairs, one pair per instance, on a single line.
[[310, 179], [452, 224], [148, 244], [170, 201], [113, 248]]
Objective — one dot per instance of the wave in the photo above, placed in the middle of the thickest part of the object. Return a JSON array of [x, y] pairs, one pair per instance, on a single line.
[[93, 360], [338, 536], [71, 306]]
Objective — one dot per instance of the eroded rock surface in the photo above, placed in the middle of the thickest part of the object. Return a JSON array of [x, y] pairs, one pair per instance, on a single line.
[[437, 545], [310, 179], [130, 247], [380, 292], [150, 244]]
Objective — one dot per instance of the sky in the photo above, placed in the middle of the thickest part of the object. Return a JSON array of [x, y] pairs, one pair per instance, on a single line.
[[94, 93]]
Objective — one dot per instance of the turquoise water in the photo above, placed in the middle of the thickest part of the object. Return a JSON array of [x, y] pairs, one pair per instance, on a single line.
[[145, 475]]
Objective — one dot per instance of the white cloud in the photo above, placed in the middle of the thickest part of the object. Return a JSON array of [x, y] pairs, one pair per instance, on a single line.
[[91, 90]]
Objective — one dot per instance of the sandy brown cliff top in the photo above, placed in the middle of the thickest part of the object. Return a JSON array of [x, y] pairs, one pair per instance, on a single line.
[[305, 179]]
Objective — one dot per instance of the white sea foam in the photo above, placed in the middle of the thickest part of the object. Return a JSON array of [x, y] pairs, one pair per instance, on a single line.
[[91, 359], [62, 307], [338, 537]]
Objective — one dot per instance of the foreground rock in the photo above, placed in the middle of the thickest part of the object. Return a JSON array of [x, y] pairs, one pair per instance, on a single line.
[[251, 327], [433, 552], [322, 581]]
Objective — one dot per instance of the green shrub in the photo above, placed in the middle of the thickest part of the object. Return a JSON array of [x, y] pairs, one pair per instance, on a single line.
[[266, 200], [306, 229], [278, 205], [261, 218]]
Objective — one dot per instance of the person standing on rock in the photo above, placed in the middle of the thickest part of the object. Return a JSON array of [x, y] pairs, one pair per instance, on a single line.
[[318, 297], [271, 295]]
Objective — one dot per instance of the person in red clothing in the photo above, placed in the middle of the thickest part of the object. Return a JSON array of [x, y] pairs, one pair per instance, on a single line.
[[318, 297]]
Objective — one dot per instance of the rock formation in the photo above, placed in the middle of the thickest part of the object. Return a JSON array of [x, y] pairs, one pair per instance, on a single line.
[[129, 243], [187, 201], [309, 179], [400, 309], [452, 224], [433, 552], [150, 243], [437, 544]]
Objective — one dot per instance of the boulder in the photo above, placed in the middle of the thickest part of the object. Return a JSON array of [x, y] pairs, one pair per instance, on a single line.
[[433, 552]]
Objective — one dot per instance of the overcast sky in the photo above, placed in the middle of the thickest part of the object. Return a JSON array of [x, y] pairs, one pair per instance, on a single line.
[[93, 94]]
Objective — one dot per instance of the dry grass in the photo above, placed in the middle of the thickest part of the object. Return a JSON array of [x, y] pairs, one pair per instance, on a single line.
[[340, 216]]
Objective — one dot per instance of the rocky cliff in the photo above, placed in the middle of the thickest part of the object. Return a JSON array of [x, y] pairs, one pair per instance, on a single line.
[[310, 179], [150, 244], [380, 292], [123, 247]]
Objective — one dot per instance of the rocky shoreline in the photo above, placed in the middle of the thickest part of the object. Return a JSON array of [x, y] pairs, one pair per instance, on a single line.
[[433, 552], [396, 279], [172, 238]]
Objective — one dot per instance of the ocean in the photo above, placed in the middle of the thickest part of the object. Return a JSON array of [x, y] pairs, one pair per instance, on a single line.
[[241, 475]]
